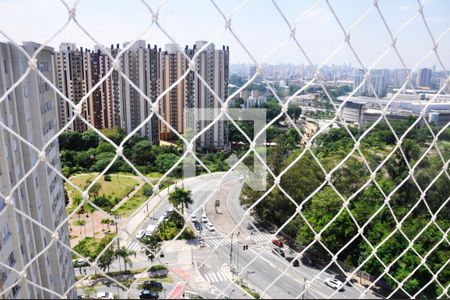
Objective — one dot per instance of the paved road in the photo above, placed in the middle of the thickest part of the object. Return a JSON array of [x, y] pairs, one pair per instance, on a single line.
[[267, 268], [216, 271]]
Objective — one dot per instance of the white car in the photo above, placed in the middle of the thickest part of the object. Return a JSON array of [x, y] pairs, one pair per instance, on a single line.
[[205, 219], [193, 219], [104, 295], [140, 234], [334, 284], [210, 227], [150, 230]]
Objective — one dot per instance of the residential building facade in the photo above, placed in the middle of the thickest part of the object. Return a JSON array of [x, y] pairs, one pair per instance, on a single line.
[[30, 110]]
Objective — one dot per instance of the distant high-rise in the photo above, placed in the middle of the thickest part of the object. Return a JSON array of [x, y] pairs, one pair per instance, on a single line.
[[213, 66], [139, 63], [424, 78], [151, 73], [30, 111], [172, 66], [71, 74], [378, 84]]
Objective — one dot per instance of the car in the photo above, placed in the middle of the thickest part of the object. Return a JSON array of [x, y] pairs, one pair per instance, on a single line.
[[193, 219], [104, 295], [307, 261], [278, 243], [295, 261], [191, 295], [205, 219], [165, 216], [202, 244], [148, 294], [210, 227], [140, 234], [334, 284], [150, 230], [198, 226], [152, 285], [343, 278], [278, 251], [80, 262]]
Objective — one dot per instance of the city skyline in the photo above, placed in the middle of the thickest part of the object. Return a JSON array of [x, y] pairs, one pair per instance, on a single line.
[[187, 21]]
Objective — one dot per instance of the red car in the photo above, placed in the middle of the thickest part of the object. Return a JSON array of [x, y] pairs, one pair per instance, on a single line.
[[278, 243]]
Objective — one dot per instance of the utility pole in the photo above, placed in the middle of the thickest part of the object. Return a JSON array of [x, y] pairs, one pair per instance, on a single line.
[[237, 253], [304, 288], [231, 254]]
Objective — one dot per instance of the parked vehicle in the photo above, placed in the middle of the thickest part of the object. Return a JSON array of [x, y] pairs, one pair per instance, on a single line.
[[308, 261], [140, 234], [80, 262], [210, 227], [343, 278], [278, 243], [198, 226], [148, 294], [278, 251], [296, 263], [334, 284], [150, 229], [193, 219], [167, 214], [152, 285], [191, 295], [104, 295], [205, 219]]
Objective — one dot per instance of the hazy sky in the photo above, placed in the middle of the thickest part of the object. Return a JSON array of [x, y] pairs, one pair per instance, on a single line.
[[258, 24]]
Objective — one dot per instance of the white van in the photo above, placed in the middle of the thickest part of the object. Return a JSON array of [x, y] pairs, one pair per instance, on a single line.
[[150, 229]]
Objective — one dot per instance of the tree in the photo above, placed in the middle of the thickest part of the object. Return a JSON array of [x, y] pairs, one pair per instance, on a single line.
[[114, 134], [294, 111], [181, 197], [141, 154], [93, 191], [70, 140], [148, 190], [165, 161], [89, 139], [153, 243], [106, 259], [125, 254], [104, 147]]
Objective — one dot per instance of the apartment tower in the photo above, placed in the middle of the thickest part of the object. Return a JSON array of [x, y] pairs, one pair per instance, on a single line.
[[30, 111], [213, 66]]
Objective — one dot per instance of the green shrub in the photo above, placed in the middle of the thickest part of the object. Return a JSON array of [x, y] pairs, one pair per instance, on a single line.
[[157, 268]]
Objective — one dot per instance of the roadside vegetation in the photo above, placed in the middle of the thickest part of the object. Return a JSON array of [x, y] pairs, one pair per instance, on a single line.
[[364, 201]]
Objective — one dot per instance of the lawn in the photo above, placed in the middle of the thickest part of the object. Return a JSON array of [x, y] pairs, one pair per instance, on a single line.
[[132, 204], [119, 186], [136, 201]]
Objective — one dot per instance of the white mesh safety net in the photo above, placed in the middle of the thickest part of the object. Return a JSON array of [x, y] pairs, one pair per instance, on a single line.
[[284, 274]]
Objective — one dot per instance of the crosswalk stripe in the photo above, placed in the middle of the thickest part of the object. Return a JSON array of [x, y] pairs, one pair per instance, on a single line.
[[222, 277], [213, 277], [134, 246]]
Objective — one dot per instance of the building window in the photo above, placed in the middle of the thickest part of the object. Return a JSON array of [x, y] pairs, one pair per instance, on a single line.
[[3, 275], [15, 290], [5, 232], [5, 66], [11, 260], [25, 91]]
